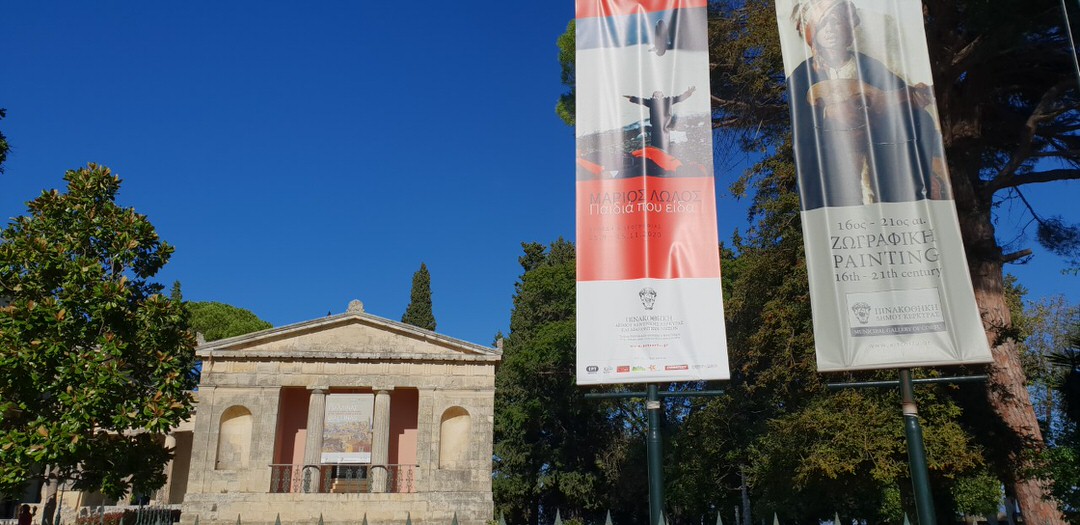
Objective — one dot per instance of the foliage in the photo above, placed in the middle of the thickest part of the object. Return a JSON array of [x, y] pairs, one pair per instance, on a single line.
[[1044, 326], [547, 436], [978, 494], [3, 143], [1063, 460], [1009, 114], [1009, 117], [418, 312], [808, 452], [94, 361], [219, 321], [1067, 360], [565, 107], [843, 450]]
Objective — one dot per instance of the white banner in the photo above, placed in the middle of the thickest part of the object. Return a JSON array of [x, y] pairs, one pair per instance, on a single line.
[[889, 282]]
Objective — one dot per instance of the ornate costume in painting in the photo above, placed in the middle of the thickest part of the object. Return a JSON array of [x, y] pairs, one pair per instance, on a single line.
[[862, 134]]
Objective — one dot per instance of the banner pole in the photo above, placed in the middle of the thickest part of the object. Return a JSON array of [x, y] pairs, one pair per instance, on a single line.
[[656, 464], [920, 477], [653, 441]]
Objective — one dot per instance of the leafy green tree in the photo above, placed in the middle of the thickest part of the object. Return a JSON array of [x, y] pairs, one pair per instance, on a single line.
[[3, 143], [1063, 460], [565, 107], [94, 360], [219, 321], [1043, 329], [977, 495], [776, 432], [418, 312], [548, 438]]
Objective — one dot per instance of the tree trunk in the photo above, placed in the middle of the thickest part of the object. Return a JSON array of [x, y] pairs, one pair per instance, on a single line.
[[1007, 386]]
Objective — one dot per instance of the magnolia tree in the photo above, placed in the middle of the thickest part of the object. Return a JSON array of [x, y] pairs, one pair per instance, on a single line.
[[94, 360]]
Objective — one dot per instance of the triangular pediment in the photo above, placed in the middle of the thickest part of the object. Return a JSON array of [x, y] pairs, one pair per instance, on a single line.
[[352, 335]]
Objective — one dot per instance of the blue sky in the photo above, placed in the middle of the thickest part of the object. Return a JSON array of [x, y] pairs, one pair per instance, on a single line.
[[300, 156]]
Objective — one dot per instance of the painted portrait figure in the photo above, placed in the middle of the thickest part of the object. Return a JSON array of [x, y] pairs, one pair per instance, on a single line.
[[862, 133]]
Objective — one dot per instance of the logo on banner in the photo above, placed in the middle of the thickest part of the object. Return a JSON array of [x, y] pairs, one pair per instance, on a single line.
[[592, 369], [862, 312], [648, 297], [896, 312]]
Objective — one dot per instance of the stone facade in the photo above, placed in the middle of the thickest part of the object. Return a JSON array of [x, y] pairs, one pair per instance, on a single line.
[[255, 450]]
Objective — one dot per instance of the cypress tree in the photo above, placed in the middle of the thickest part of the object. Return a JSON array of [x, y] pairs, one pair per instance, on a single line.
[[419, 313]]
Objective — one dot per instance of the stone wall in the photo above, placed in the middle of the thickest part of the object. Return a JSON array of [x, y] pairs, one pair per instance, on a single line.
[[344, 353], [472, 508]]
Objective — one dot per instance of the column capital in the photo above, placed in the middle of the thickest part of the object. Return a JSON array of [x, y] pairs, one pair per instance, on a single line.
[[319, 389], [382, 389]]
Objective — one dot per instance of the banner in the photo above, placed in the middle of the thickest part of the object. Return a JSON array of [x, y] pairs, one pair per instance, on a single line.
[[347, 428], [649, 305], [889, 281]]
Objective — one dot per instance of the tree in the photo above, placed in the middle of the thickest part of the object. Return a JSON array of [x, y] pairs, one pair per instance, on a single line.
[[776, 432], [218, 321], [548, 438], [94, 360], [3, 143], [1043, 329], [418, 312], [1009, 117], [1063, 459]]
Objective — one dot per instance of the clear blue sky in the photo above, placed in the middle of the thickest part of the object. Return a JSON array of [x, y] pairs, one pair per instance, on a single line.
[[300, 156]]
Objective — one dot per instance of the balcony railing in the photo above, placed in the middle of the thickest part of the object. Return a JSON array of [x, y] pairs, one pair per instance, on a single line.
[[342, 479]]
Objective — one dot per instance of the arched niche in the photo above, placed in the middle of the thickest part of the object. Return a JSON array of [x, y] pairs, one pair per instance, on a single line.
[[234, 439], [454, 437]]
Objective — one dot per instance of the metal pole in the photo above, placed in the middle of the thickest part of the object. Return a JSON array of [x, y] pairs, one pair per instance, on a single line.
[[920, 476], [656, 465]]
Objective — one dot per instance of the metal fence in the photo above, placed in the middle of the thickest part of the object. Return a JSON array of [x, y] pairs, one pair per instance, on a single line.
[[342, 479], [143, 515]]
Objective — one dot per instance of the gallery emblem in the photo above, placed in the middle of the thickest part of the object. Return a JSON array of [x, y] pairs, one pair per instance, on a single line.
[[861, 311], [648, 297]]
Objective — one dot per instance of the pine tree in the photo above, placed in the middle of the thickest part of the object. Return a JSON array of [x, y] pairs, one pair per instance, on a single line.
[[419, 313]]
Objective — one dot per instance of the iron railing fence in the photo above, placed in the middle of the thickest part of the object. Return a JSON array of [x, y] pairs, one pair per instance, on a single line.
[[342, 478]]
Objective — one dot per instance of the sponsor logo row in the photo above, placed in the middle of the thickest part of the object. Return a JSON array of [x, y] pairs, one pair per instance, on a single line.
[[625, 369]]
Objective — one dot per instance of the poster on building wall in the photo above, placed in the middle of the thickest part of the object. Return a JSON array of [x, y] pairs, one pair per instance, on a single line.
[[889, 281], [347, 428], [649, 305]]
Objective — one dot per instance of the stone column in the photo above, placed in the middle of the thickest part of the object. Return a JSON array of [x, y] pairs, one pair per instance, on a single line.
[[164, 494], [380, 440], [313, 445]]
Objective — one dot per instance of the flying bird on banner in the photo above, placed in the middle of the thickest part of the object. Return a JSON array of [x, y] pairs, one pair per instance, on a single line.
[[889, 283], [649, 304]]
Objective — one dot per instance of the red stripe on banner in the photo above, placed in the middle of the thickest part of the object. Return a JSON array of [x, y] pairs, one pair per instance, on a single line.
[[646, 227], [599, 8]]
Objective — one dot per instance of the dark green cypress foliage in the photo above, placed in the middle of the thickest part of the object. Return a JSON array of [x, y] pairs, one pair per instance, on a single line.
[[419, 313]]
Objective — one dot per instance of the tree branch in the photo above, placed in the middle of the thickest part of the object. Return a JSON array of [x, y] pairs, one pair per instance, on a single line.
[[1011, 257], [1033, 178], [1041, 112]]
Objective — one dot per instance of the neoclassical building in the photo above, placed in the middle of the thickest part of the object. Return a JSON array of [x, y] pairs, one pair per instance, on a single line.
[[341, 416]]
